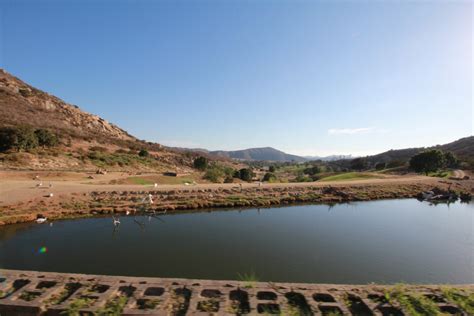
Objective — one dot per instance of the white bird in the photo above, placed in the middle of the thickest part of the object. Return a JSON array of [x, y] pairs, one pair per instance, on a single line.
[[41, 220], [127, 212], [51, 195], [427, 195], [39, 184], [116, 221], [156, 184], [150, 198]]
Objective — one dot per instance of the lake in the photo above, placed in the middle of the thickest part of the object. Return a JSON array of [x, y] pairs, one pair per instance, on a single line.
[[379, 241]]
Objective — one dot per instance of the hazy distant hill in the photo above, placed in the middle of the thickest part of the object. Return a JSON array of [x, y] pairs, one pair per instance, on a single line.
[[265, 153], [329, 158], [463, 148]]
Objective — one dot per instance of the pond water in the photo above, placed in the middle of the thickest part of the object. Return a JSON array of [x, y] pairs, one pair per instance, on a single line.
[[381, 241]]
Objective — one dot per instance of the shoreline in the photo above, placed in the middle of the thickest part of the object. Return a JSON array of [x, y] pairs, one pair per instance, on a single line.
[[83, 201]]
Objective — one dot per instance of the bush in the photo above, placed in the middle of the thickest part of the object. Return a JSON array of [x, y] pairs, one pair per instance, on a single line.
[[269, 177], [98, 148], [380, 166], [201, 163], [46, 138], [246, 174], [19, 138], [272, 169], [428, 161], [214, 173], [312, 170], [143, 153], [450, 160]]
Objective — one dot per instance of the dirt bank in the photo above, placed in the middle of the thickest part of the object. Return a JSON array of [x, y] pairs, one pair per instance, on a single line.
[[22, 201]]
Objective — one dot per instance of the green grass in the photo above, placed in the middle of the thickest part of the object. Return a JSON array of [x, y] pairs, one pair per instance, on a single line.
[[76, 305], [441, 174], [249, 279], [352, 176], [460, 298], [141, 181], [160, 179], [113, 307], [413, 303]]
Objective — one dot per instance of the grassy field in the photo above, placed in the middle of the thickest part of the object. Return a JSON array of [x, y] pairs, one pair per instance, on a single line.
[[352, 176], [441, 174], [160, 179]]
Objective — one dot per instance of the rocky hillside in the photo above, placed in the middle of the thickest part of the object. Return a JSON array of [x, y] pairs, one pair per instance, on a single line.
[[86, 141], [22, 104]]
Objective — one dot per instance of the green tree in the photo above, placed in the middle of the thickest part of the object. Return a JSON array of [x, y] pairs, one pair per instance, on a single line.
[[312, 170], [359, 164], [246, 174], [143, 153], [427, 161], [380, 166], [19, 138], [271, 169], [450, 160], [46, 138], [201, 163]]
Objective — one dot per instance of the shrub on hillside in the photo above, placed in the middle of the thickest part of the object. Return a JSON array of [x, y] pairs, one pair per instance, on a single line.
[[245, 174], [46, 138], [143, 153], [19, 138], [380, 166], [201, 163], [98, 148], [269, 177]]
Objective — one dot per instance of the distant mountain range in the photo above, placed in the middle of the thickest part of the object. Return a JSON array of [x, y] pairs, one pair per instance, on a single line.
[[264, 153], [463, 148], [329, 158], [270, 154]]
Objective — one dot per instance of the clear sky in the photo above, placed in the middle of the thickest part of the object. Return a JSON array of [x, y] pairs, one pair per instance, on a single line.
[[306, 77]]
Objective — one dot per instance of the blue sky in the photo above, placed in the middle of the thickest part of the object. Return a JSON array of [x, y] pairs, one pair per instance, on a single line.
[[306, 77]]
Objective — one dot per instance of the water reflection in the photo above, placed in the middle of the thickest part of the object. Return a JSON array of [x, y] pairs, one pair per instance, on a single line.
[[380, 241]]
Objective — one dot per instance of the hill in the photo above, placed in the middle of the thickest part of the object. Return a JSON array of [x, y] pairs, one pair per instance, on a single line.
[[86, 141], [22, 104], [463, 149], [262, 154]]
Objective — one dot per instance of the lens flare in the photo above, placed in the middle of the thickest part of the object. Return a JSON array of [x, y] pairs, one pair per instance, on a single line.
[[43, 250]]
